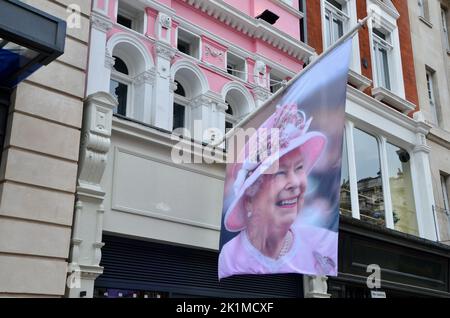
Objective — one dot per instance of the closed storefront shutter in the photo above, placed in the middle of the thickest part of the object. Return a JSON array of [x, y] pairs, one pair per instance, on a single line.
[[174, 271]]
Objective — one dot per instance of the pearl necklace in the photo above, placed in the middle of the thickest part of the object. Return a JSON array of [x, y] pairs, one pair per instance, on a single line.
[[286, 244]]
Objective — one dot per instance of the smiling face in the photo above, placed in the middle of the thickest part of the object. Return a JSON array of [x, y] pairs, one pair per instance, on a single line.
[[280, 196]]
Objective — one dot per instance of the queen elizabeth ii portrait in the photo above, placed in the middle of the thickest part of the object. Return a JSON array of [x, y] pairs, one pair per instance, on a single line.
[[266, 198]]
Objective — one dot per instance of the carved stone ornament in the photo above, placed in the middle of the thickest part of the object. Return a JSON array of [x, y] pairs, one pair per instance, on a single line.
[[261, 93], [147, 77], [110, 61], [101, 23], [164, 50], [213, 52], [260, 73], [165, 20]]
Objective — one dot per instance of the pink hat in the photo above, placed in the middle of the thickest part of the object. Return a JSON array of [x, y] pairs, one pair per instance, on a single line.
[[292, 134]]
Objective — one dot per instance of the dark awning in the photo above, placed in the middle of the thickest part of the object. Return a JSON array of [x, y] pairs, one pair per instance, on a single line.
[[29, 39]]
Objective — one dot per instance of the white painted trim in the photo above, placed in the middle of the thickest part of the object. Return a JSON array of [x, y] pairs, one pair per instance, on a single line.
[[383, 94], [388, 215], [353, 179], [186, 64], [382, 19], [243, 90], [105, 9], [133, 40], [289, 8], [352, 20], [116, 9]]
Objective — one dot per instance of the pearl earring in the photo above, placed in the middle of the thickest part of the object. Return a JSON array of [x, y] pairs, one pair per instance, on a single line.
[[249, 214]]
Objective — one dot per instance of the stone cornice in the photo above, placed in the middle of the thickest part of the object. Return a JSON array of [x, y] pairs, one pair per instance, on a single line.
[[101, 22], [437, 137], [161, 137], [289, 8], [388, 7], [147, 77], [385, 111], [261, 93], [382, 94], [164, 50], [253, 28]]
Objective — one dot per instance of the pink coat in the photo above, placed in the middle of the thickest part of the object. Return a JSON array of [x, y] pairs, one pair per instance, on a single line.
[[314, 252]]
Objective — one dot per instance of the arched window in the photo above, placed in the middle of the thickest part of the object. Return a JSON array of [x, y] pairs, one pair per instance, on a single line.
[[179, 107], [120, 85], [230, 120]]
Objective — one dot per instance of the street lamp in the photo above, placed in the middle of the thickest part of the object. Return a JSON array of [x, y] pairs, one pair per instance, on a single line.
[[29, 39]]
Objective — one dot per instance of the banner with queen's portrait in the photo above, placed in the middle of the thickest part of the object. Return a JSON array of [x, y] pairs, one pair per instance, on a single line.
[[281, 198]]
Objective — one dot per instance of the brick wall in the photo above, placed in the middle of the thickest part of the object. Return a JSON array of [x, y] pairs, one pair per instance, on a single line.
[[315, 40], [314, 24], [409, 74], [364, 44]]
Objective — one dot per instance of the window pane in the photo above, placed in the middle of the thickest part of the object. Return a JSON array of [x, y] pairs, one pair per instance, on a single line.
[[400, 183], [345, 201], [445, 193], [327, 29], [338, 29], [124, 21], [178, 116], [385, 69], [184, 46], [368, 173], [120, 65], [335, 4], [119, 91]]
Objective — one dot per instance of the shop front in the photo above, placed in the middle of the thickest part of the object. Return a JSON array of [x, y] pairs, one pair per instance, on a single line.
[[410, 266]]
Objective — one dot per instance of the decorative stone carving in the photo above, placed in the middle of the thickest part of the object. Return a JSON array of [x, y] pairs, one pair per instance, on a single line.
[[200, 100], [147, 77], [261, 93], [173, 86], [165, 21], [110, 61], [210, 51], [163, 27], [88, 224], [101, 22], [164, 50], [260, 73], [315, 286]]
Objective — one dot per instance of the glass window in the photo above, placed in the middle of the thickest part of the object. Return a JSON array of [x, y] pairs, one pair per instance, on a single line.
[[445, 194], [178, 116], [368, 173], [276, 83], [188, 43], [124, 21], [445, 35], [423, 9], [400, 184], [130, 17], [381, 51], [303, 33], [179, 107], [119, 85], [335, 20], [229, 119], [236, 66], [120, 92], [431, 96], [345, 203]]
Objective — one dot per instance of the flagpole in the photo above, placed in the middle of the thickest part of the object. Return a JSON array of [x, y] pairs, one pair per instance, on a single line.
[[250, 116]]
